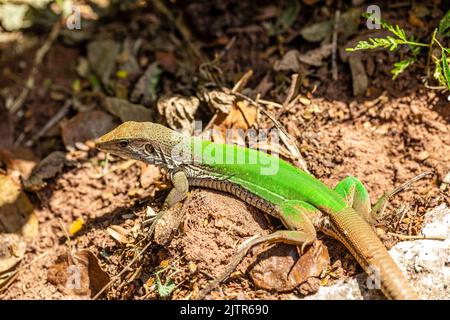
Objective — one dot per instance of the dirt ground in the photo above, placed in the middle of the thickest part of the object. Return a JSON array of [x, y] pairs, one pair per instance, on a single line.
[[396, 130]]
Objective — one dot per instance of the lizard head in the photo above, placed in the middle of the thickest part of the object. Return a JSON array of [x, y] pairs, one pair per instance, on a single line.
[[145, 141]]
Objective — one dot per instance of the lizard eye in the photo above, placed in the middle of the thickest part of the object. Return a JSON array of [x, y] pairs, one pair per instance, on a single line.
[[149, 148], [123, 143]]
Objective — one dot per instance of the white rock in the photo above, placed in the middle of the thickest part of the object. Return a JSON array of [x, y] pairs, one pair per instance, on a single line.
[[425, 262]]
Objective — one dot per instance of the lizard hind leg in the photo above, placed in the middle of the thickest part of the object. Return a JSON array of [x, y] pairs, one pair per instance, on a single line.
[[356, 196], [295, 215]]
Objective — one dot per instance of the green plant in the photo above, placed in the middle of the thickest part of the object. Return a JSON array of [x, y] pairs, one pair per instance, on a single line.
[[399, 38]]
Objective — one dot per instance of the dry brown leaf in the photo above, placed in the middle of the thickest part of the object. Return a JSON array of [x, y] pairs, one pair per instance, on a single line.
[[315, 57], [78, 275], [289, 62], [86, 126], [48, 168], [218, 100], [179, 112], [280, 269], [15, 207], [119, 234], [102, 56], [30, 228], [241, 117], [127, 111], [19, 163]]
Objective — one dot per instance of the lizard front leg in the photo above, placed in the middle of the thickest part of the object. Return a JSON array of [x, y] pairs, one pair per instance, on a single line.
[[177, 194]]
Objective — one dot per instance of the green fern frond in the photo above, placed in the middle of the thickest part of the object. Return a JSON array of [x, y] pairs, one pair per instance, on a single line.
[[401, 66]]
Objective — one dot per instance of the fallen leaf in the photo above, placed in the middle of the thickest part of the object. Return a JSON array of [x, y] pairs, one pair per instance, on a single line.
[[78, 275], [48, 168], [317, 31], [280, 269], [315, 57], [218, 101], [145, 89], [30, 228], [127, 111], [289, 62], [12, 16], [102, 56], [15, 207], [348, 25], [119, 234], [86, 126], [179, 112], [164, 263], [19, 163], [241, 117]]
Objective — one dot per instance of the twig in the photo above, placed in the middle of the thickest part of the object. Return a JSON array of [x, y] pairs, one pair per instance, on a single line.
[[40, 54], [50, 124], [380, 205], [334, 69], [242, 82], [403, 210], [292, 90], [411, 221], [417, 237]]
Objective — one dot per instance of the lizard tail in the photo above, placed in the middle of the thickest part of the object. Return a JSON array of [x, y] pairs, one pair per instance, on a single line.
[[361, 240]]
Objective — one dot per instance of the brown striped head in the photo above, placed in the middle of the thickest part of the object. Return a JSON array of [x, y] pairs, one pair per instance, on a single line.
[[145, 141]]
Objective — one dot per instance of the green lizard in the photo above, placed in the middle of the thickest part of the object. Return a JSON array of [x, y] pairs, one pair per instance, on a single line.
[[303, 203]]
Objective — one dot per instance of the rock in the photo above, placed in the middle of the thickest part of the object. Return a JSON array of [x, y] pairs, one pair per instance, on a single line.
[[426, 263], [353, 289]]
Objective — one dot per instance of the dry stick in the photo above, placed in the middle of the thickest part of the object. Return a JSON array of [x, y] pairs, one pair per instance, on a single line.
[[40, 54], [417, 237], [50, 124], [334, 69], [242, 82], [292, 89], [381, 204], [403, 210]]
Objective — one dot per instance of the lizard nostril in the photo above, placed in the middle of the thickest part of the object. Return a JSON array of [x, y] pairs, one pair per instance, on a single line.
[[123, 143]]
